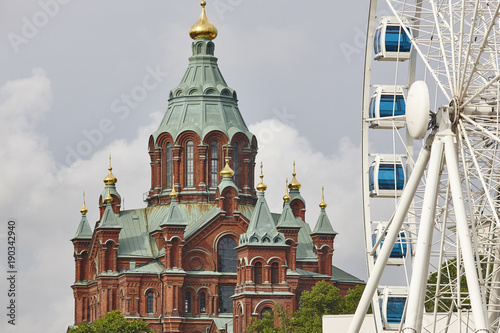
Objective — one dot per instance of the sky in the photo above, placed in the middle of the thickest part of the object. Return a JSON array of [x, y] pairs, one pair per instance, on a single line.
[[73, 81]]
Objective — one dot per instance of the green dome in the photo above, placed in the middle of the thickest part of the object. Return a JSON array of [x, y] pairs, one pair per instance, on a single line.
[[203, 102]]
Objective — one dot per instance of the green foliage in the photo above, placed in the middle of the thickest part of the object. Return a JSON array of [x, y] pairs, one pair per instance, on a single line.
[[323, 299], [112, 322], [266, 324], [352, 298], [449, 277]]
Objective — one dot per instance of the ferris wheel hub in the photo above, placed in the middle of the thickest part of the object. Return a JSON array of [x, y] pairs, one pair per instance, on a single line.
[[454, 111]]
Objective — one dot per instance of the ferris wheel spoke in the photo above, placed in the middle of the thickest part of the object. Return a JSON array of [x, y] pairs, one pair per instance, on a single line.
[[480, 90], [425, 59], [469, 44], [482, 48], [442, 47]]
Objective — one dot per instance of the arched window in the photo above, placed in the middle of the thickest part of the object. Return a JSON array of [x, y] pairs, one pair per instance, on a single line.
[[266, 310], [203, 302], [275, 273], [225, 301], [150, 302], [227, 255], [168, 164], [214, 164], [257, 273], [187, 302], [189, 164], [235, 163]]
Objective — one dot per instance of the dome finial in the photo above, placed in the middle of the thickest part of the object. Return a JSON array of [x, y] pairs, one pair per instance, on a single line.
[[110, 178], [203, 29], [227, 171], [173, 194], [294, 184], [84, 209], [261, 187], [108, 198], [322, 204], [286, 197]]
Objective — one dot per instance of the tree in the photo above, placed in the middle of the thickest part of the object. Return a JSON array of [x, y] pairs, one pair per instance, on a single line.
[[266, 324], [112, 322], [351, 300], [323, 299], [448, 285]]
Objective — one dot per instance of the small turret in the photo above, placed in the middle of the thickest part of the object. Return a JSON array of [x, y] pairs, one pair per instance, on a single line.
[[297, 203], [110, 194], [262, 230], [81, 242], [323, 236], [83, 231]]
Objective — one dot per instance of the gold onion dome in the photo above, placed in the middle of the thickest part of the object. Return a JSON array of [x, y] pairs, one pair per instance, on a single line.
[[110, 178], [261, 187], [84, 209], [286, 197], [203, 29], [173, 194], [108, 198], [227, 171], [322, 204], [294, 184]]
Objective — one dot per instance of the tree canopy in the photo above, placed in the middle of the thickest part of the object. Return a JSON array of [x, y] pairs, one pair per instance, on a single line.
[[112, 322], [323, 299]]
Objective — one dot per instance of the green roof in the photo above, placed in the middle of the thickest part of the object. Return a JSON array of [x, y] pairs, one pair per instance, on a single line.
[[262, 229], [109, 218], [339, 275], [323, 226], [174, 216], [83, 231], [287, 219], [203, 102]]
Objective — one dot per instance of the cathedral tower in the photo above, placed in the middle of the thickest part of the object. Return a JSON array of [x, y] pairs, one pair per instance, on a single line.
[[201, 122], [206, 254]]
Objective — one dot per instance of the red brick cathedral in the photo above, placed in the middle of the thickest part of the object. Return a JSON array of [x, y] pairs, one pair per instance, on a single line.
[[206, 254]]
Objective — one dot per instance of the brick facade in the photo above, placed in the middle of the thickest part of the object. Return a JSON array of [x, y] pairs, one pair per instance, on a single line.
[[178, 263]]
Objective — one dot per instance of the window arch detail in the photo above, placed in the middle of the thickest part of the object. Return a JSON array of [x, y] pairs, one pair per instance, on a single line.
[[187, 302], [227, 257], [189, 164], [214, 163], [150, 302], [275, 272], [258, 272], [265, 310], [168, 165], [203, 302]]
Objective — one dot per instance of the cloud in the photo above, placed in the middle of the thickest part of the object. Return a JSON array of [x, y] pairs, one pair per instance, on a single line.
[[45, 197], [340, 173]]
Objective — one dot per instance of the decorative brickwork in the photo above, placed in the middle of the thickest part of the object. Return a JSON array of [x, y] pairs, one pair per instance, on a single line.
[[206, 254]]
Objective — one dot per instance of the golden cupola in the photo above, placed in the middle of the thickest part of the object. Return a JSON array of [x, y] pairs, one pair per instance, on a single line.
[[203, 29], [294, 184], [227, 171], [261, 187], [84, 209], [110, 178]]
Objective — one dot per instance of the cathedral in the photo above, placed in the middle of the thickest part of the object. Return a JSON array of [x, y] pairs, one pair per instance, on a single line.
[[206, 254]]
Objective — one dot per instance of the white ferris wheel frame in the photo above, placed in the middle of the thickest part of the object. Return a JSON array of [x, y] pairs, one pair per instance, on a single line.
[[440, 145]]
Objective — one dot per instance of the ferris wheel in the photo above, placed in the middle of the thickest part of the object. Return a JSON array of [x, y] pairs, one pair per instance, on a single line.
[[431, 166]]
